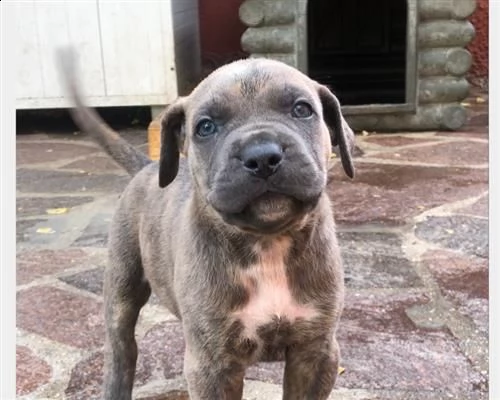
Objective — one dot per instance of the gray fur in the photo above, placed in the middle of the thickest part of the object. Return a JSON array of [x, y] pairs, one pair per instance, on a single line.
[[190, 227]]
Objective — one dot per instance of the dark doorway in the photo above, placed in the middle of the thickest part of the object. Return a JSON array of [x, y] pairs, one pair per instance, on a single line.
[[358, 49]]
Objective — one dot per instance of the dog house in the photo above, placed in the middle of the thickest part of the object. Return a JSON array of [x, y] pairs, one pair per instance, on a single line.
[[394, 64]]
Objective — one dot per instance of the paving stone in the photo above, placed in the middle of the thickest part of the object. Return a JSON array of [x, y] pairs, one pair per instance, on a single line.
[[62, 316], [392, 194], [86, 378], [161, 350], [43, 232], [96, 233], [171, 395], [452, 154], [479, 209], [458, 232], [23, 136], [95, 164], [39, 181], [376, 260], [464, 281], [356, 151], [270, 372], [134, 136], [478, 122], [160, 355], [25, 229], [32, 206], [381, 348], [31, 371], [392, 140], [46, 152], [34, 264], [422, 395], [92, 281], [478, 133]]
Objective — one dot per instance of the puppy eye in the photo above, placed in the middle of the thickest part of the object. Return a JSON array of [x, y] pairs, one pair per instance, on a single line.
[[206, 127], [301, 109]]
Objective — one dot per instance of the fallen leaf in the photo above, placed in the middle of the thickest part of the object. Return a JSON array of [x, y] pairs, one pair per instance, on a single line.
[[420, 207], [480, 100], [333, 155], [57, 211], [341, 370], [45, 230], [449, 231], [364, 133], [465, 104]]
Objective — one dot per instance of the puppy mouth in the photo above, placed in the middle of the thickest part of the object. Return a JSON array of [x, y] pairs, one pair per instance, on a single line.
[[269, 213]]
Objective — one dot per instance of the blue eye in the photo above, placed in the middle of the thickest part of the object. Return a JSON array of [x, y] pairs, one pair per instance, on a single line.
[[302, 110], [206, 127]]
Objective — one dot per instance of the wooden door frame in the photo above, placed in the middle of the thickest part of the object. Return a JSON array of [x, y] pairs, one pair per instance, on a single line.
[[410, 104]]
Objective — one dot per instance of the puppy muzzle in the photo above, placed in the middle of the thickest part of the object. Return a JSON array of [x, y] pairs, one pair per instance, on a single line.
[[267, 185]]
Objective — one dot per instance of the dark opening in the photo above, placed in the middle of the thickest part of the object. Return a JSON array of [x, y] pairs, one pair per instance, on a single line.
[[358, 49]]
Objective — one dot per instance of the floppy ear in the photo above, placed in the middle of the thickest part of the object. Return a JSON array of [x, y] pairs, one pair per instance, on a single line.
[[172, 128], [341, 133]]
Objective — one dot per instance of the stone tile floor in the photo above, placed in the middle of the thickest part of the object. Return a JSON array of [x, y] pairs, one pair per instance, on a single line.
[[413, 227]]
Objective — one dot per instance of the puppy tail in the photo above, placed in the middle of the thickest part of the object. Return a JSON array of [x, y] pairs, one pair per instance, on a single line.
[[89, 121]]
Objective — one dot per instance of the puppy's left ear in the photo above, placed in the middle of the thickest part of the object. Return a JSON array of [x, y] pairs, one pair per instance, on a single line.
[[341, 133], [172, 138]]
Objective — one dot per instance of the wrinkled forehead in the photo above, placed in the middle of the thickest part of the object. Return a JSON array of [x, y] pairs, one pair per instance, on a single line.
[[251, 81]]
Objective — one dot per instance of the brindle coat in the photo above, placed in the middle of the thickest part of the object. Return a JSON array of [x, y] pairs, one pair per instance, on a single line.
[[232, 229]]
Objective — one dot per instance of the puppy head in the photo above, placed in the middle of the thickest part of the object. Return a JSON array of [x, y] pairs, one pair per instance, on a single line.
[[257, 135]]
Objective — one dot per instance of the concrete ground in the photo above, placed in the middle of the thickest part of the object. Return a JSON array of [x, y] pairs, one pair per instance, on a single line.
[[413, 228]]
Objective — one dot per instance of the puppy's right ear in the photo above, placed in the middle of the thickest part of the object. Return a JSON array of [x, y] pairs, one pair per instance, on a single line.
[[172, 129]]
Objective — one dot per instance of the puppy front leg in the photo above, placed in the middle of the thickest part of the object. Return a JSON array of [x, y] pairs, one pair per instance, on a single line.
[[311, 370], [211, 375], [125, 292]]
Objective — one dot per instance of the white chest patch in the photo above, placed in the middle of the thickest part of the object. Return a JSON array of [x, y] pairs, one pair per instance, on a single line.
[[269, 293]]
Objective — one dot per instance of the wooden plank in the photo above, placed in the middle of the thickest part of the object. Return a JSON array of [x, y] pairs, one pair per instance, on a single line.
[[67, 22], [29, 82], [43, 27], [93, 101], [137, 48]]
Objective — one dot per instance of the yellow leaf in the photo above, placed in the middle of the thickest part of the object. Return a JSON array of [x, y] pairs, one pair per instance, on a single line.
[[57, 211], [480, 100], [45, 230], [333, 155], [465, 104], [341, 370]]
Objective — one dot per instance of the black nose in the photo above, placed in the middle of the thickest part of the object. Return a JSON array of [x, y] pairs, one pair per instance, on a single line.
[[262, 159]]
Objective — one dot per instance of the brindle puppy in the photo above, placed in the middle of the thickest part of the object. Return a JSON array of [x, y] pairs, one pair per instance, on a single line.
[[237, 238]]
